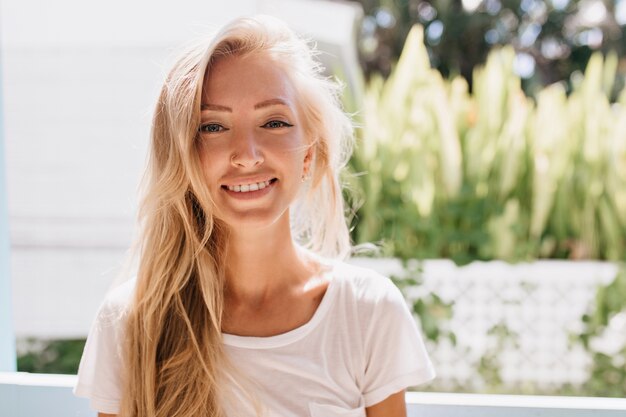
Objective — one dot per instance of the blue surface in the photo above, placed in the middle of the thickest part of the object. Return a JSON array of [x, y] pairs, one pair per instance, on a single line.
[[41, 401], [8, 360], [36, 395], [431, 410]]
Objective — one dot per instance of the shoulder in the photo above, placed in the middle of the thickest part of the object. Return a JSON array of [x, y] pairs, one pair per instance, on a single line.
[[116, 303], [101, 365], [367, 287]]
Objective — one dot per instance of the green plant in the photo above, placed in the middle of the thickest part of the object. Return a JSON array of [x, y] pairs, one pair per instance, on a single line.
[[431, 311], [491, 174], [608, 369], [489, 366], [552, 37], [50, 356]]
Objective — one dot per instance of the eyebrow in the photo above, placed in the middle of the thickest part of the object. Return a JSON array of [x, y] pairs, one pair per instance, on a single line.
[[271, 102], [265, 103], [215, 107]]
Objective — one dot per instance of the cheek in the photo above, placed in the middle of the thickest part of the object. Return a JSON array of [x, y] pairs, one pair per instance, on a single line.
[[208, 165], [291, 146], [293, 157]]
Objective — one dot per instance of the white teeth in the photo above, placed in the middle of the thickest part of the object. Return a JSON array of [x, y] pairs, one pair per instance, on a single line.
[[244, 188]]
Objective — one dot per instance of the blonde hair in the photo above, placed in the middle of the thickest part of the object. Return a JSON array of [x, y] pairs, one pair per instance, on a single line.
[[175, 363]]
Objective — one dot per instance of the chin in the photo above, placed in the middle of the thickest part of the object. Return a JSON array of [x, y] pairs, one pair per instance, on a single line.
[[256, 220]]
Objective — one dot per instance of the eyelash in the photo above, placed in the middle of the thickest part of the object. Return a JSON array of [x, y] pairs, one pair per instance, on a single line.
[[204, 128], [282, 124]]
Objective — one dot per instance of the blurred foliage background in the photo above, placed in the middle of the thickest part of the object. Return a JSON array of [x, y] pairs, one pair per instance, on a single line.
[[496, 130], [445, 172], [552, 39], [49, 356]]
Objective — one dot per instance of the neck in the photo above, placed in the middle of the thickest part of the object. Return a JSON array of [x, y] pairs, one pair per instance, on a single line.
[[262, 263]]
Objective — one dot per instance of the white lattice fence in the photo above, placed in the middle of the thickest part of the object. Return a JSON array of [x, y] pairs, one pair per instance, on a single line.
[[517, 318]]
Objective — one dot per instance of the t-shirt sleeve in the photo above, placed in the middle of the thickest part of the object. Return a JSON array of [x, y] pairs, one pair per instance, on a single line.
[[99, 373], [395, 355]]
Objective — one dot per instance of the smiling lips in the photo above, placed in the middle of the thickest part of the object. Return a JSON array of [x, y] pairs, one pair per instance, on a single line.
[[246, 188]]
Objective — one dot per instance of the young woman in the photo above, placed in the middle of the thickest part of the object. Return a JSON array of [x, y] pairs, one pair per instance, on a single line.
[[241, 305]]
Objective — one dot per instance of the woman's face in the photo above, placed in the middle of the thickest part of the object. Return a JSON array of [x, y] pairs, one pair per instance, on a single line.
[[251, 142]]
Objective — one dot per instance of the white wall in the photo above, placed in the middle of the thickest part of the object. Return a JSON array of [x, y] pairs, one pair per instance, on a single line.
[[80, 79], [41, 23]]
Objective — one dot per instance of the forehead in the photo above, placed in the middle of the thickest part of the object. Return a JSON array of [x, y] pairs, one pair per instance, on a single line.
[[242, 79]]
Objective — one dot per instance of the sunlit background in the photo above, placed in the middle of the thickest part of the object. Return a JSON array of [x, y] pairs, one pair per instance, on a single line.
[[490, 169]]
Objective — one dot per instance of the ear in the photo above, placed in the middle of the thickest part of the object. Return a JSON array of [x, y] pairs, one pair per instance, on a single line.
[[308, 158]]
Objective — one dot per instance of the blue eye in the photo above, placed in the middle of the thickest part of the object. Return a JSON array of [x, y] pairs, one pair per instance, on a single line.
[[276, 124], [211, 128]]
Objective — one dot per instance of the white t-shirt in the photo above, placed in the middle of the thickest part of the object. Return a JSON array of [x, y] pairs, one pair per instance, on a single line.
[[360, 346]]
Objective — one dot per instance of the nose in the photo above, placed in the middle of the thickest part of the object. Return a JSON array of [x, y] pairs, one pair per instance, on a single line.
[[246, 152]]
